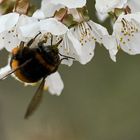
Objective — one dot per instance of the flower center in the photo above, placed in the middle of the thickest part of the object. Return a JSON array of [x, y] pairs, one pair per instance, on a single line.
[[85, 33], [128, 30]]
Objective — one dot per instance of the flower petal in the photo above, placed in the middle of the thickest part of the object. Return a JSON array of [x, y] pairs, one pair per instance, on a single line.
[[110, 44], [54, 84], [29, 30], [134, 5], [48, 9], [4, 71], [101, 17], [83, 52], [39, 14], [102, 37], [8, 21], [105, 6], [53, 26], [98, 31], [28, 27], [70, 3], [9, 39], [50, 25], [71, 47]]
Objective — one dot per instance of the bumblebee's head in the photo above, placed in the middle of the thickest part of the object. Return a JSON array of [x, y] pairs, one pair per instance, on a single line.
[[54, 47], [50, 53], [52, 50]]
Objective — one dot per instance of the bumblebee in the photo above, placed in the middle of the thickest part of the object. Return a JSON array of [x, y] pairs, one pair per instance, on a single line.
[[33, 64]]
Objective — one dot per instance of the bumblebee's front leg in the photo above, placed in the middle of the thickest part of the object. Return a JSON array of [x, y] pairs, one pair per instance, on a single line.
[[32, 40]]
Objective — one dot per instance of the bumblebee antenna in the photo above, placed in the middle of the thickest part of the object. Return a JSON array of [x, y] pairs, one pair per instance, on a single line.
[[12, 71]]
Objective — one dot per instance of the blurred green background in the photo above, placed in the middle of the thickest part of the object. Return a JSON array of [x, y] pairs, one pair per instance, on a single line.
[[100, 101]]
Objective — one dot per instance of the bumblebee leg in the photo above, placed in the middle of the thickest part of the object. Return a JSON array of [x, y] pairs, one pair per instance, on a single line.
[[32, 40], [41, 43], [21, 44], [66, 57], [63, 59], [51, 39]]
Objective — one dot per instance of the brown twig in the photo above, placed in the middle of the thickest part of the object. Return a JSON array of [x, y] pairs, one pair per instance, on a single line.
[[22, 6]]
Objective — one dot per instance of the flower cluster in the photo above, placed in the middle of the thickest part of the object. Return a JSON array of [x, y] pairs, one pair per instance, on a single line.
[[67, 21], [126, 26]]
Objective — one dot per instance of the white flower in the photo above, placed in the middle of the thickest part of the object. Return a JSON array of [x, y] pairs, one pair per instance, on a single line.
[[127, 32], [54, 84], [10, 36], [79, 42]]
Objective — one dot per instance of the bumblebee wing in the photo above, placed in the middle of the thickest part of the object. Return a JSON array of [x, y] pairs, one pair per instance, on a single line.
[[36, 100]]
